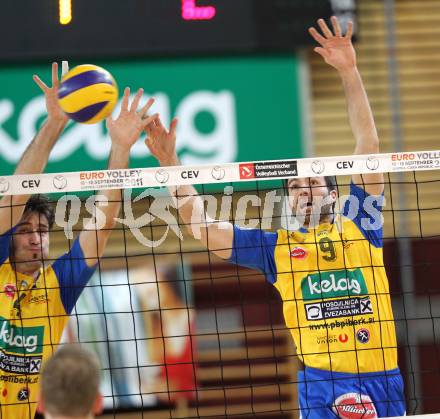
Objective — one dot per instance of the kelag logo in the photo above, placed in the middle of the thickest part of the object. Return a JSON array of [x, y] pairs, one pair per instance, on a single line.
[[332, 284], [21, 340]]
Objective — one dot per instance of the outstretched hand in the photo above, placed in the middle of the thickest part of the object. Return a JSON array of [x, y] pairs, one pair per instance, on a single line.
[[162, 142], [54, 110], [129, 125], [336, 49]]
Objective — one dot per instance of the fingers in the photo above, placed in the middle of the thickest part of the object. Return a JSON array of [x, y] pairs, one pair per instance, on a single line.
[[173, 127], [124, 103], [40, 83], [336, 27], [325, 30], [149, 130], [64, 67], [150, 145], [158, 124], [148, 120], [146, 107], [317, 36], [136, 100], [54, 74], [349, 33]]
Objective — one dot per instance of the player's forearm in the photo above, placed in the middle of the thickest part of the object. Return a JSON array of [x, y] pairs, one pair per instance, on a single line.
[[36, 155], [189, 203], [119, 159], [215, 235], [359, 113]]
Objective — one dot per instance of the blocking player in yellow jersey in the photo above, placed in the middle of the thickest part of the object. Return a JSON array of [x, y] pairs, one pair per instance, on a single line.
[[329, 273], [37, 296]]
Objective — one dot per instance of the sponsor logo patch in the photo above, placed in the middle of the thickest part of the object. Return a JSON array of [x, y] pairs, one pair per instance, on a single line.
[[326, 339], [20, 340], [354, 406], [345, 307], [372, 163], [363, 335], [10, 290], [60, 182], [281, 168], [162, 176], [23, 365], [317, 167], [23, 394], [38, 299], [218, 173], [4, 185], [330, 284], [343, 337], [298, 253], [247, 171]]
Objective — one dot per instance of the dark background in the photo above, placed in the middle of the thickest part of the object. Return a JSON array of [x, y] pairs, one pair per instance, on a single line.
[[30, 29]]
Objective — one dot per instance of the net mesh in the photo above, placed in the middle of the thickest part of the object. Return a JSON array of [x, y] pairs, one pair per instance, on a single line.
[[182, 333]]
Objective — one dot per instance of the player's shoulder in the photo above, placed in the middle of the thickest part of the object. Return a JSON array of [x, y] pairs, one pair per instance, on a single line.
[[49, 276], [345, 223]]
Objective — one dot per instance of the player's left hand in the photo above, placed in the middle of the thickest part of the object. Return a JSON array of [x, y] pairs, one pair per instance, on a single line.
[[54, 110], [128, 126], [336, 49]]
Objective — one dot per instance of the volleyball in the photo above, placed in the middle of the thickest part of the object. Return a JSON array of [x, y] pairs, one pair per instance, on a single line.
[[88, 93]]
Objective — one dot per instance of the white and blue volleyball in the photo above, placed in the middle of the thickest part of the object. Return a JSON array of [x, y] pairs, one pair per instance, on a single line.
[[88, 93]]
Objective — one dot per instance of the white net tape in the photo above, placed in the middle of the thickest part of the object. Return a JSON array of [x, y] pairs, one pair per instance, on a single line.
[[229, 172]]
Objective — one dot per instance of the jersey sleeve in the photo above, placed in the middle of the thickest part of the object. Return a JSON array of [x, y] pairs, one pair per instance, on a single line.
[[5, 242], [73, 274], [365, 211], [254, 248]]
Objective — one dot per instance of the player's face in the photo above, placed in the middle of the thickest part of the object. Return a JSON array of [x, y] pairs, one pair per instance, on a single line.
[[310, 197], [30, 243]]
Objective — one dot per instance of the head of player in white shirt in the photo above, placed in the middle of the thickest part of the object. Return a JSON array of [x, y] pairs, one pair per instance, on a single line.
[[70, 385]]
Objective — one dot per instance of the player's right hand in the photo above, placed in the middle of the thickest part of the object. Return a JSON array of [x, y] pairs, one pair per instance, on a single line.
[[54, 110], [336, 49]]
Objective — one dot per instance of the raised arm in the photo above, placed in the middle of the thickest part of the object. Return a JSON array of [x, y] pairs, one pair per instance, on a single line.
[[36, 155], [124, 131], [337, 50], [217, 236]]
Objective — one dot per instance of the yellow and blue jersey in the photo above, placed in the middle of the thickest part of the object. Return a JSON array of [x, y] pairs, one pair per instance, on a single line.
[[33, 314], [333, 284]]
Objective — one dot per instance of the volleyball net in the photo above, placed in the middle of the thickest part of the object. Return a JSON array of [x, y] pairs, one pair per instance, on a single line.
[[180, 331]]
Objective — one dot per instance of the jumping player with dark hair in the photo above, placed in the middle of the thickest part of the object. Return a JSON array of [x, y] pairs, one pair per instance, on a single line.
[[37, 297], [330, 273]]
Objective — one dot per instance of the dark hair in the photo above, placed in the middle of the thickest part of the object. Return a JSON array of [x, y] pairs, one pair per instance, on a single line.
[[41, 204], [330, 181]]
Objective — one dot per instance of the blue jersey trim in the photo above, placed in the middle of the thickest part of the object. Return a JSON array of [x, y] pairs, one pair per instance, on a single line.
[[254, 248], [5, 241], [368, 213], [310, 373], [73, 274]]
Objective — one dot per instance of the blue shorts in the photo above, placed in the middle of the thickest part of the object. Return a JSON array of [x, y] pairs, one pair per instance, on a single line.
[[325, 394]]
